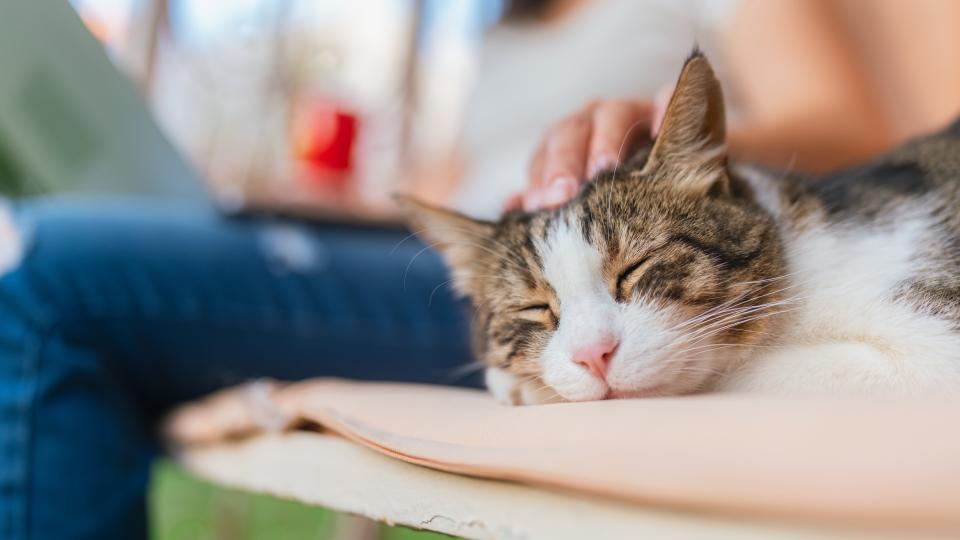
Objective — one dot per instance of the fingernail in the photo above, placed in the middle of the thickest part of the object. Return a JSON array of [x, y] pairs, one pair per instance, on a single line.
[[532, 200], [559, 191], [514, 202], [604, 162]]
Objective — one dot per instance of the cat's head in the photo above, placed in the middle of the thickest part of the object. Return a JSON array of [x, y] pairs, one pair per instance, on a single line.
[[642, 285]]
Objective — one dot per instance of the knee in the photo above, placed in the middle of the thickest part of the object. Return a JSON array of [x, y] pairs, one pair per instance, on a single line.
[[42, 266], [13, 241], [74, 259], [19, 301]]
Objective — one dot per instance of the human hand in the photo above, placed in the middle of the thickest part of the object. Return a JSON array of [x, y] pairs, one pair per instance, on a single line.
[[578, 147]]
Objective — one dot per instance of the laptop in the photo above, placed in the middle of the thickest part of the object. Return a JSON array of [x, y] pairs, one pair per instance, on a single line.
[[69, 121]]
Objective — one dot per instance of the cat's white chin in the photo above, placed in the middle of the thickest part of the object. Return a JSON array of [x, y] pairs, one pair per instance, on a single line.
[[632, 392]]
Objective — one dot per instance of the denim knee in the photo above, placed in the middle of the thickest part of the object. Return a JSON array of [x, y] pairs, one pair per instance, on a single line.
[[68, 427], [24, 324]]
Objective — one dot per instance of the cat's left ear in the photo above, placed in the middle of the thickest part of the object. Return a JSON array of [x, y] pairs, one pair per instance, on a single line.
[[461, 240], [691, 145]]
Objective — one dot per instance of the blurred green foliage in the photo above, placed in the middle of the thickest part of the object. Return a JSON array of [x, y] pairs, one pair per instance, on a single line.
[[183, 507]]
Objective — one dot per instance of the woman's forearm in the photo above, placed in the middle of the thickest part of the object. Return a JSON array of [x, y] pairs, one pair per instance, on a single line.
[[813, 143], [807, 98]]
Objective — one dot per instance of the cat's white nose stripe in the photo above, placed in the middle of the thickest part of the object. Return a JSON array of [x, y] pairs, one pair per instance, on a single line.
[[577, 359]]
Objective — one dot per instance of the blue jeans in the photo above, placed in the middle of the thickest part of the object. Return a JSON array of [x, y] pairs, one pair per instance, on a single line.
[[122, 309]]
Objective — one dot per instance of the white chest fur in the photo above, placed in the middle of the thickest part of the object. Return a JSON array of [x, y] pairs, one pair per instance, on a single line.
[[846, 331]]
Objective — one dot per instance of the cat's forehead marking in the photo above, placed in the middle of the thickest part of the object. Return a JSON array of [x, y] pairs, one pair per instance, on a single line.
[[571, 265]]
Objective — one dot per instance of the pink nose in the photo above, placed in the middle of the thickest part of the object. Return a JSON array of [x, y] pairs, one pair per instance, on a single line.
[[595, 357]]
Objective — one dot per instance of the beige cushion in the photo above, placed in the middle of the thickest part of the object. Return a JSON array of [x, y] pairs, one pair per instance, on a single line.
[[886, 464]]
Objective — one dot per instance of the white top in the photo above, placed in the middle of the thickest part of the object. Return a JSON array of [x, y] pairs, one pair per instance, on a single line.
[[532, 75]]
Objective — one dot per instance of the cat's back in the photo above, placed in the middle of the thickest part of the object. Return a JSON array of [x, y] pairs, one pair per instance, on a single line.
[[873, 258], [923, 172], [906, 207]]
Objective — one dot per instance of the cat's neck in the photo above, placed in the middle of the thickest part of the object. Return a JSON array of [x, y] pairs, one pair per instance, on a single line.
[[769, 190], [790, 204]]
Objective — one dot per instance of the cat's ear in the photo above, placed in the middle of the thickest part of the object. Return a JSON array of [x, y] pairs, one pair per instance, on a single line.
[[691, 145], [461, 240]]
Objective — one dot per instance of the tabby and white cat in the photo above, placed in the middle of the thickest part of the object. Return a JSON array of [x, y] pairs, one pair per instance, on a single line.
[[679, 273]]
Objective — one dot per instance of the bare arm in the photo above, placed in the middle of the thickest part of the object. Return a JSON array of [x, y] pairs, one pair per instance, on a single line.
[[807, 97]]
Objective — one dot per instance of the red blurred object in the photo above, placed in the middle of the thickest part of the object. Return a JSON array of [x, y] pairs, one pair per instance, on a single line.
[[324, 135]]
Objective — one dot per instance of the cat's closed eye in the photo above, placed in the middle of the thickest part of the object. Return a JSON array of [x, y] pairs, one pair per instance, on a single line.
[[628, 278], [534, 308], [537, 312]]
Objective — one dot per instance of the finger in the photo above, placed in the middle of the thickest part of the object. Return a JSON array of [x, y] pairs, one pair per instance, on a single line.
[[536, 166], [530, 199], [513, 202], [565, 160], [616, 125]]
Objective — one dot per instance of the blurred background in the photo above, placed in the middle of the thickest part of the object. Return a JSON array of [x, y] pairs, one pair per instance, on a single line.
[[329, 107], [334, 101]]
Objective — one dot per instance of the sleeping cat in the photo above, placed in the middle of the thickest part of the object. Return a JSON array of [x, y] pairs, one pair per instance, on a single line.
[[679, 273]]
